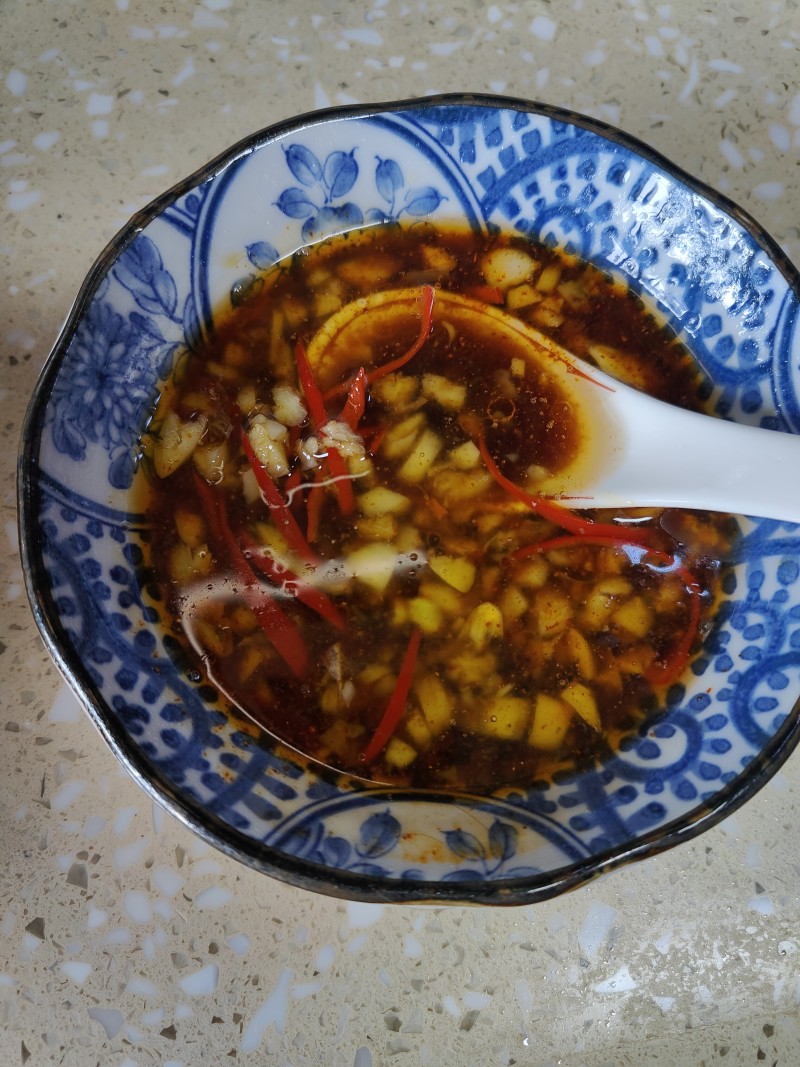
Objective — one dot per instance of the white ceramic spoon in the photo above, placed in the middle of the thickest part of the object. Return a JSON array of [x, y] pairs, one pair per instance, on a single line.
[[662, 455], [636, 451]]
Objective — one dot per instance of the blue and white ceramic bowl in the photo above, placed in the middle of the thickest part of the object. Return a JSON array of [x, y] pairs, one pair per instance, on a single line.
[[716, 277]]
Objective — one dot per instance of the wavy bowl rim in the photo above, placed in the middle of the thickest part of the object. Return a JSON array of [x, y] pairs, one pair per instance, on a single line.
[[302, 873]]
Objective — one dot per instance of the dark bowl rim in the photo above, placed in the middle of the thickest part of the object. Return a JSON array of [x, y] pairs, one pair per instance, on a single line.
[[266, 859]]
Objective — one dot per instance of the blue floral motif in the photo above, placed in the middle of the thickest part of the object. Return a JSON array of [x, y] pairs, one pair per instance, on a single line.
[[333, 178], [489, 859], [103, 399], [378, 834], [141, 270], [318, 845], [159, 701], [319, 202], [262, 254], [417, 202], [327, 181], [84, 410], [116, 361]]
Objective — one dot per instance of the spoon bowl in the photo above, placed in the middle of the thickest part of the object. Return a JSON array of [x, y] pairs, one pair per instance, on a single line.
[[636, 451]]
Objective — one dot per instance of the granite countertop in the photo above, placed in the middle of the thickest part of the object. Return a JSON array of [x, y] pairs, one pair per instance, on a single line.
[[126, 941]]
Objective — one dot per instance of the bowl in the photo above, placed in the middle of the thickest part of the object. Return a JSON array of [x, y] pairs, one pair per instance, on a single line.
[[716, 277]]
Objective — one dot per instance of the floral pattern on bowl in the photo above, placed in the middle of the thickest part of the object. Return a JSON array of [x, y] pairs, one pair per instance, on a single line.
[[561, 178]]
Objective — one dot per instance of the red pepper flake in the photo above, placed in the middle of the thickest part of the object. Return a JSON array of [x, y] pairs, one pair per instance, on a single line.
[[488, 294], [397, 701]]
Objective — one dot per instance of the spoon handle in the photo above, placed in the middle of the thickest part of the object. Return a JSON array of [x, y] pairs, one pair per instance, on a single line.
[[669, 457]]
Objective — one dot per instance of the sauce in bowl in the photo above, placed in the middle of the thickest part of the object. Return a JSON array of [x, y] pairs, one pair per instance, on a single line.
[[348, 493]]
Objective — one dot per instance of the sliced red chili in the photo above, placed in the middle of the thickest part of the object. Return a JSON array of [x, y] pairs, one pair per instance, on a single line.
[[308, 383], [426, 325], [373, 440], [356, 400], [284, 520], [428, 293], [397, 701], [556, 513], [293, 479], [282, 632], [438, 509], [281, 576], [319, 416], [586, 375], [314, 507], [668, 669], [576, 540], [342, 482]]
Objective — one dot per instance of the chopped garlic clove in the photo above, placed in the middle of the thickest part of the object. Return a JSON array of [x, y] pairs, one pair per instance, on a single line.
[[176, 442]]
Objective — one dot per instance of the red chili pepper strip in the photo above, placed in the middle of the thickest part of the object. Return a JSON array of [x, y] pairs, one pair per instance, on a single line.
[[554, 512], [284, 520], [572, 369], [373, 439], [428, 293], [356, 400], [426, 326], [439, 510], [279, 628], [319, 416], [397, 701], [308, 383], [342, 482], [673, 665], [314, 508], [292, 481], [305, 592]]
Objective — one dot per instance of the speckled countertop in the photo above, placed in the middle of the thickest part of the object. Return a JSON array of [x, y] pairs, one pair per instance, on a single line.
[[124, 940]]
